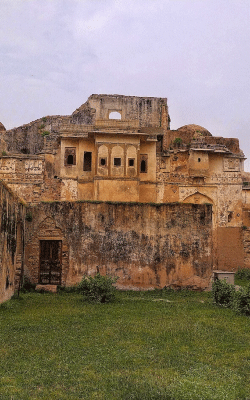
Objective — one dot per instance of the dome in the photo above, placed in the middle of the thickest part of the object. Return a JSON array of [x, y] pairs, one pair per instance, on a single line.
[[194, 130]]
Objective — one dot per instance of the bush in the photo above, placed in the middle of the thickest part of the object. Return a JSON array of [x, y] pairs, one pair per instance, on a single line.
[[98, 289], [243, 273], [241, 302], [223, 293], [27, 286]]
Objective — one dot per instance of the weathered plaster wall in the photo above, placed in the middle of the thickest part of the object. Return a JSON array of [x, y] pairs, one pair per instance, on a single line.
[[145, 245], [11, 242]]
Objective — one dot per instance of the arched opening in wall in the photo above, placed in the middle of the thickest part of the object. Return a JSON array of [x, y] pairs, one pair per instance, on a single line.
[[144, 163], [70, 156], [24, 150], [198, 198], [115, 115]]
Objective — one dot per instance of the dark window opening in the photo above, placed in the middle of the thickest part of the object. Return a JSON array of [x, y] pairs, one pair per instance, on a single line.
[[25, 151], [117, 162], [230, 216], [131, 162], [103, 162], [70, 156], [70, 160], [143, 166], [144, 163], [87, 161], [199, 160], [159, 144]]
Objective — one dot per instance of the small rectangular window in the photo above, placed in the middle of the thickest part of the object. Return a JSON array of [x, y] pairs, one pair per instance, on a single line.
[[117, 162], [70, 156], [131, 162], [87, 161], [144, 163]]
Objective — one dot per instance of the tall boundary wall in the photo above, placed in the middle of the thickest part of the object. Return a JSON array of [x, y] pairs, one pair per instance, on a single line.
[[145, 245], [12, 221]]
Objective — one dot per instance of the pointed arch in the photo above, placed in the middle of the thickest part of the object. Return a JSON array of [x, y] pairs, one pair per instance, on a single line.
[[198, 198]]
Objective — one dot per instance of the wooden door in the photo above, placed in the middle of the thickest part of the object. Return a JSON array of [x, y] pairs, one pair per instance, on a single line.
[[50, 262]]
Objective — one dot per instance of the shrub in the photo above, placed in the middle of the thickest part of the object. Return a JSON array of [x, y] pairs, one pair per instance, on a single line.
[[223, 293], [241, 302], [45, 133], [27, 286], [98, 289], [177, 141], [4, 153], [243, 273]]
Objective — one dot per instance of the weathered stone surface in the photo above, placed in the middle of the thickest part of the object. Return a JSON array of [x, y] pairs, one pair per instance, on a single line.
[[12, 214], [135, 158], [144, 245]]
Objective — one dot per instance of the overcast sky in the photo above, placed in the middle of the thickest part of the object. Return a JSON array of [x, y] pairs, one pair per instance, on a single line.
[[55, 53]]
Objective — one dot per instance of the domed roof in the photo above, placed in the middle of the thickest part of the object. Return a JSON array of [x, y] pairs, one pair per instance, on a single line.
[[194, 130], [2, 128]]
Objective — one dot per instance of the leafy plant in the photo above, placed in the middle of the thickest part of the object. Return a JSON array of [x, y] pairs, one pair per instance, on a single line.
[[223, 293], [177, 141], [45, 133], [27, 286], [241, 302], [29, 217], [41, 126], [44, 119], [98, 289], [243, 273], [4, 153]]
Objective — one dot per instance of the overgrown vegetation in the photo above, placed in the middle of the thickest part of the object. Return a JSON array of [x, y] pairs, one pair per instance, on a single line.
[[177, 141], [45, 133], [157, 345], [98, 289], [4, 153], [27, 286], [225, 295], [29, 216], [243, 273]]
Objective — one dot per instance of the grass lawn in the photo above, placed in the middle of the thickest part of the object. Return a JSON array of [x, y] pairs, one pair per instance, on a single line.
[[146, 345]]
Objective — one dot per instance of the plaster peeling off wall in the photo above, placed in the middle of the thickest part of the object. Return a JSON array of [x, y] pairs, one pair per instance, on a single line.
[[69, 190], [167, 244]]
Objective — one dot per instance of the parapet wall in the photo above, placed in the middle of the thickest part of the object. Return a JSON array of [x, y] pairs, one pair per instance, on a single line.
[[11, 242], [145, 245]]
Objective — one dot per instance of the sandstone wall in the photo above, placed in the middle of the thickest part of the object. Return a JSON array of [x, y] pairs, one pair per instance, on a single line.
[[145, 245], [12, 214]]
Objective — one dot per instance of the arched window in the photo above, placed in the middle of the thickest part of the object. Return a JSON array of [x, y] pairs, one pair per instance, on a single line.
[[70, 156], [144, 163], [115, 115]]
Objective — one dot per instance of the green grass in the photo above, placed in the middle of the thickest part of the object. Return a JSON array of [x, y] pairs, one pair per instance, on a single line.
[[146, 345]]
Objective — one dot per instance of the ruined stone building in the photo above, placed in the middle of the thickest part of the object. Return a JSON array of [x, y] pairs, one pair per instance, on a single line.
[[112, 187]]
